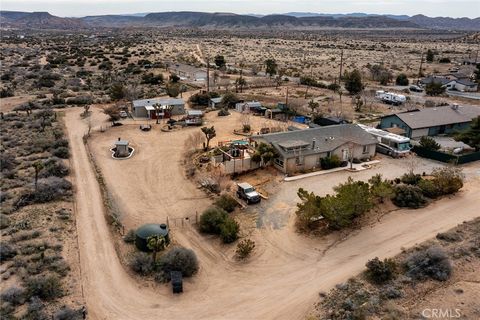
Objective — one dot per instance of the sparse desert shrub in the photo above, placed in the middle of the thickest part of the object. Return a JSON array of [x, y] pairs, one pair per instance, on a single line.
[[61, 152], [448, 179], [54, 167], [212, 219], [223, 113], [141, 263], [14, 295], [7, 161], [35, 310], [432, 263], [130, 236], [451, 236], [4, 221], [178, 259], [46, 287], [245, 248], [229, 230], [411, 178], [391, 292], [408, 196], [49, 189], [379, 271], [7, 251], [429, 188], [226, 202], [66, 313]]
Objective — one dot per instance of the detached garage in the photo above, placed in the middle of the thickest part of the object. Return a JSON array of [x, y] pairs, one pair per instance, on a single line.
[[158, 108]]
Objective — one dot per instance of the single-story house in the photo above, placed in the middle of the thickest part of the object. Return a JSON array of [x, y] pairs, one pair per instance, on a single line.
[[451, 82], [431, 121], [215, 102], [167, 107], [188, 72], [301, 150], [250, 106]]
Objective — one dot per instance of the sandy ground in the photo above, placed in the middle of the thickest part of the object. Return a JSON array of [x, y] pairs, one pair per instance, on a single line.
[[281, 281]]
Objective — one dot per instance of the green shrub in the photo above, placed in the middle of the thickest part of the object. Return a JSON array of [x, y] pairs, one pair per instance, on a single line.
[[431, 263], [448, 179], [229, 230], [380, 271], [46, 287], [408, 196], [245, 248], [330, 162], [65, 313], [411, 178], [429, 143], [223, 113], [61, 152], [179, 259], [429, 188], [226, 202], [212, 219], [402, 80]]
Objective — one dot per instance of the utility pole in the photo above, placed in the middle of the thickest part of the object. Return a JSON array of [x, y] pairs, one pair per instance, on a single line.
[[208, 74], [420, 69], [341, 67]]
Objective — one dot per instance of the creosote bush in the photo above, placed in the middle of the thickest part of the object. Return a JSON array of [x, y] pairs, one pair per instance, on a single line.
[[46, 287], [226, 202], [216, 221], [178, 259], [432, 263], [141, 263], [379, 271], [408, 196], [229, 230]]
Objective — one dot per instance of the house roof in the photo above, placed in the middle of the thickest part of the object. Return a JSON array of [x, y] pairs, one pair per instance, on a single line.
[[326, 139], [185, 68], [195, 112], [431, 117], [216, 100], [161, 101], [466, 82], [441, 80], [250, 104], [121, 143]]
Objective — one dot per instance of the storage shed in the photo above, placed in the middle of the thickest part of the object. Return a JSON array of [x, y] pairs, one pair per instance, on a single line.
[[148, 230]]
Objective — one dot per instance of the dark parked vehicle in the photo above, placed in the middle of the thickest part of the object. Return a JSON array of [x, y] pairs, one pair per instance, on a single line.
[[177, 281], [415, 88], [247, 192]]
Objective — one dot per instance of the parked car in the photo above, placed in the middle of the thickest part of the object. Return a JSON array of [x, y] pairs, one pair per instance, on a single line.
[[123, 114], [415, 88], [247, 192]]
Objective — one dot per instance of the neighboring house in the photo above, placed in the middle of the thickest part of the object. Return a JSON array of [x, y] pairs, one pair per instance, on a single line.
[[329, 121], [215, 102], [251, 106], [167, 107], [431, 121], [302, 150], [452, 82], [188, 72]]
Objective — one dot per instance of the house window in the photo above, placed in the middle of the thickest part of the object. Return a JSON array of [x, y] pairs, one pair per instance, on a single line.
[[329, 154], [365, 149], [279, 162]]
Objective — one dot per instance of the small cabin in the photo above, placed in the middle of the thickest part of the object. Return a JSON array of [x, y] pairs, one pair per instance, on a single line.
[[121, 148]]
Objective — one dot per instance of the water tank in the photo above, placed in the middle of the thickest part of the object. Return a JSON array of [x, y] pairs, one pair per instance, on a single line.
[[148, 230]]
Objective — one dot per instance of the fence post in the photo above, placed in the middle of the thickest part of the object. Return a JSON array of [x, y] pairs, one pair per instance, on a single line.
[[168, 223]]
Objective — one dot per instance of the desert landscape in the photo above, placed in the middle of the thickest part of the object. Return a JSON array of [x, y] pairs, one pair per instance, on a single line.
[[188, 165]]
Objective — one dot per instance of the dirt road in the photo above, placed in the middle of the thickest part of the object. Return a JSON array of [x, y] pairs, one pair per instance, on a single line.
[[281, 281]]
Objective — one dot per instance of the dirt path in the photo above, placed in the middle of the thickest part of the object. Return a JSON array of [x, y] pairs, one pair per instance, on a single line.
[[282, 280]]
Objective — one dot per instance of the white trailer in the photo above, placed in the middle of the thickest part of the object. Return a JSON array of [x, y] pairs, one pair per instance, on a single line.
[[390, 97], [389, 143]]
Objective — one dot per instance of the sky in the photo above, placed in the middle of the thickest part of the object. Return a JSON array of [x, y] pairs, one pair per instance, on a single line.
[[78, 8]]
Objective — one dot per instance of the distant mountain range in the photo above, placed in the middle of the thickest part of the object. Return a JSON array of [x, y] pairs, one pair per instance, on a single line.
[[291, 20]]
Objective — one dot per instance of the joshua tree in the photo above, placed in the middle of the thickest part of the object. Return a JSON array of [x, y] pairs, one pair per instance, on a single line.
[[313, 105], [37, 166], [156, 244], [209, 135]]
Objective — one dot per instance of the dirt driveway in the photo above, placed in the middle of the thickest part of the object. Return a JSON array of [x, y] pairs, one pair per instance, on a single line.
[[281, 281]]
